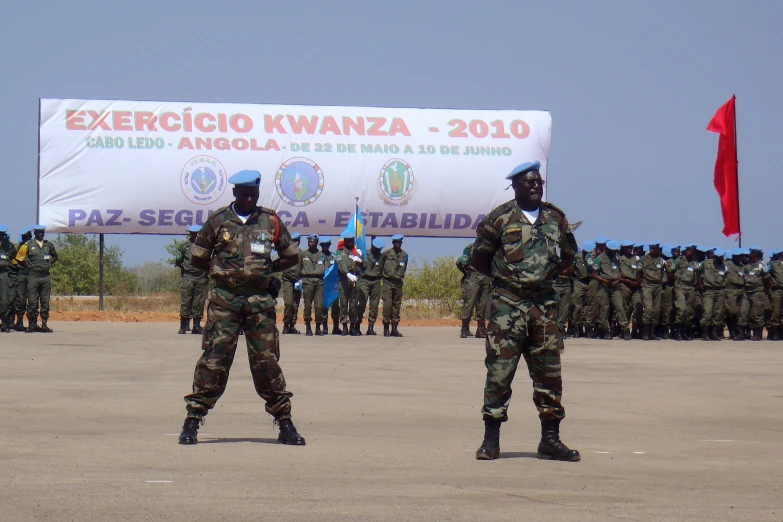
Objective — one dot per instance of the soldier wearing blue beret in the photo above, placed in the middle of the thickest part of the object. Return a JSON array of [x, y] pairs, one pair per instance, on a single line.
[[370, 285], [292, 290], [775, 295], [41, 256], [193, 286], [7, 283], [22, 273]]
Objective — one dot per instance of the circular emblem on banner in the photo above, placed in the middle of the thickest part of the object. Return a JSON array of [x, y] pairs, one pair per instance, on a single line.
[[203, 180], [299, 181], [396, 183]]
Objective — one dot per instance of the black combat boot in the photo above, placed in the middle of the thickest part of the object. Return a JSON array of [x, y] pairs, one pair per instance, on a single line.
[[288, 434], [465, 332], [386, 332], [371, 329], [571, 331], [309, 330], [627, 334], [358, 328], [550, 447], [716, 333], [3, 324], [336, 330], [292, 329], [589, 334], [344, 330], [654, 333], [32, 325], [394, 331], [645, 332], [20, 323], [189, 433], [354, 331], [45, 327], [580, 331], [664, 332], [739, 333], [677, 332], [757, 333], [481, 330], [705, 333], [635, 333], [183, 325], [772, 333], [325, 328], [197, 330], [490, 447], [607, 334]]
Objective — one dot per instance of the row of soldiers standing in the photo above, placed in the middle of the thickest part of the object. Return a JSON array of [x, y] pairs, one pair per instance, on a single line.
[[25, 283]]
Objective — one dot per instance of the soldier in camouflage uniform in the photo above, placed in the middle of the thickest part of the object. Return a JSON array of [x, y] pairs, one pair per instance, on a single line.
[[629, 279], [475, 296], [236, 244], [775, 333], [581, 284], [667, 297], [735, 289], [653, 274], [370, 285], [41, 255], [21, 279], [686, 281], [754, 301], [349, 265], [326, 244], [712, 280], [606, 270], [292, 291], [193, 286], [563, 287], [523, 245], [314, 264], [394, 262], [593, 312], [7, 254]]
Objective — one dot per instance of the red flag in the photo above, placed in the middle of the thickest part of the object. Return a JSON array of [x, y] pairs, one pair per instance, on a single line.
[[726, 180]]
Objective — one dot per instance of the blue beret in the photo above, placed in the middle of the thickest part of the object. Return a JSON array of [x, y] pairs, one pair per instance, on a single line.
[[21, 238], [719, 252], [325, 239], [756, 249], [626, 243], [347, 235], [675, 247], [735, 252], [295, 236], [39, 227], [702, 248], [774, 251], [639, 245], [3, 228], [194, 228], [689, 246], [312, 236], [27, 230], [745, 251], [601, 240], [667, 251], [246, 178], [525, 167], [646, 248], [378, 243], [397, 237], [589, 246], [612, 245]]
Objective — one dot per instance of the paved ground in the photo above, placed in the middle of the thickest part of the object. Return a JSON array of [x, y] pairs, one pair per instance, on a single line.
[[667, 431]]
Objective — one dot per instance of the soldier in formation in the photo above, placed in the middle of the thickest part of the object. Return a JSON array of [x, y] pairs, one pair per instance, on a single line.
[[475, 296], [193, 286]]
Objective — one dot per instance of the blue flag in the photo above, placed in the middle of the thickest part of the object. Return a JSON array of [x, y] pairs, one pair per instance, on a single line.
[[353, 224], [331, 285]]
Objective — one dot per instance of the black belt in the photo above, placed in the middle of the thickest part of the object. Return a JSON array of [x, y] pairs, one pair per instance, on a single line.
[[33, 271], [536, 291], [583, 280], [371, 278], [312, 277], [245, 290]]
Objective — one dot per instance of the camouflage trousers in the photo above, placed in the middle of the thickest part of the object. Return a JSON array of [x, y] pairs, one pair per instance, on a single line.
[[291, 298], [713, 307], [578, 300], [392, 301], [348, 300], [684, 301], [776, 298], [5, 294], [475, 294], [369, 291], [651, 301], [21, 293], [732, 303], [523, 326], [226, 314], [192, 294], [754, 305], [39, 289], [604, 297], [564, 293], [667, 305], [313, 291], [632, 303]]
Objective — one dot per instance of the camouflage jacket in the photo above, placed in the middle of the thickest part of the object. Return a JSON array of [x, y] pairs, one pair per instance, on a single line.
[[606, 266], [7, 253], [653, 269], [580, 266], [525, 256], [240, 254], [184, 261], [345, 263], [629, 266], [40, 258], [372, 264], [294, 273], [776, 273], [713, 274], [313, 264], [394, 264], [755, 273], [685, 272]]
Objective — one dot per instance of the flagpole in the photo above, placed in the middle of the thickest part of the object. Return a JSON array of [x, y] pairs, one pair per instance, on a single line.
[[736, 156]]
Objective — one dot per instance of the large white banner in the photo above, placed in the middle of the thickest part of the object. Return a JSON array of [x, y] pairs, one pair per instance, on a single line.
[[133, 167]]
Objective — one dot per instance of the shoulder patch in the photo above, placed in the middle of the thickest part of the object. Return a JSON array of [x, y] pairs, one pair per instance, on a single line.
[[265, 210], [549, 206]]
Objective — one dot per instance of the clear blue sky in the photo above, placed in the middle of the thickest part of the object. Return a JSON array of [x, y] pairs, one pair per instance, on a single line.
[[631, 87]]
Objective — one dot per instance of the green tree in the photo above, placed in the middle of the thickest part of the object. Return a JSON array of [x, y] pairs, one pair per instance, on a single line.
[[435, 284], [77, 271], [173, 249]]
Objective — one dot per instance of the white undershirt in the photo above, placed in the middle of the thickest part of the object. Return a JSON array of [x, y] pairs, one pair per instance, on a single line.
[[532, 216], [240, 216]]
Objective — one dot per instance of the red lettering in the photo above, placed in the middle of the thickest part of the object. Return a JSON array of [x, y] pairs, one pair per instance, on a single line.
[[222, 125], [349, 124], [459, 129], [222, 144], [329, 125], [165, 122], [398, 127], [201, 118], [185, 143], [520, 129], [98, 120], [146, 119], [204, 143], [239, 144], [273, 124], [188, 120], [74, 120], [375, 126], [254, 145], [303, 123], [121, 121], [241, 123], [272, 144]]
